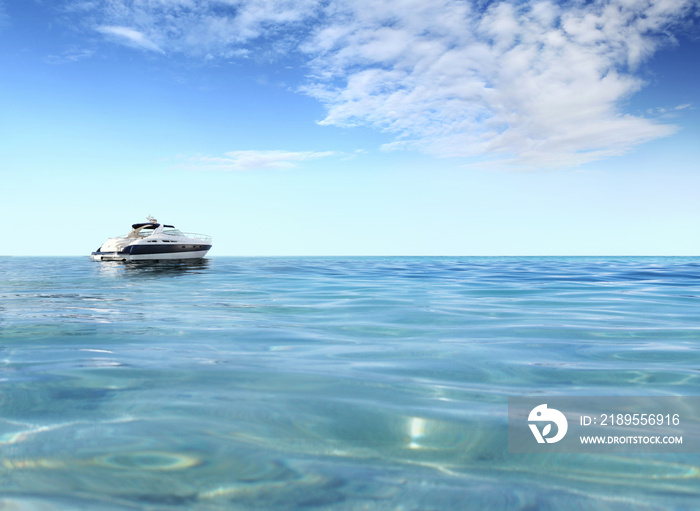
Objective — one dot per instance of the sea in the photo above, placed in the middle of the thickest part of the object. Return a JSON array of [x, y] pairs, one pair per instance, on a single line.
[[338, 383]]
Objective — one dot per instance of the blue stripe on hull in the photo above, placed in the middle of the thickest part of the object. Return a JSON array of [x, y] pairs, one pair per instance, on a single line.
[[163, 248]]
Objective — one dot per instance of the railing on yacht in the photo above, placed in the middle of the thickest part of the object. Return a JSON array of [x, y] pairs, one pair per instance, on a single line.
[[204, 238]]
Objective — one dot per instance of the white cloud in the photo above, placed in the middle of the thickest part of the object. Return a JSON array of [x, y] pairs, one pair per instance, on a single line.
[[130, 37], [253, 160], [669, 112], [73, 54], [208, 28], [533, 83]]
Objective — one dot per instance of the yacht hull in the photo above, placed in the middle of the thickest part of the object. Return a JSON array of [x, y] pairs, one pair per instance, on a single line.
[[147, 253]]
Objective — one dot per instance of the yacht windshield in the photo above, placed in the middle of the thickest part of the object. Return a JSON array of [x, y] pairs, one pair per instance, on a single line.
[[172, 232], [141, 232]]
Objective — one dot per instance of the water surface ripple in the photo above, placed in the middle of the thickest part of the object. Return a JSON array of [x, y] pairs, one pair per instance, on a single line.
[[332, 383]]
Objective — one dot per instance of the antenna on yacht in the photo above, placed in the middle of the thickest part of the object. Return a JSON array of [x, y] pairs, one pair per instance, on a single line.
[[151, 219]]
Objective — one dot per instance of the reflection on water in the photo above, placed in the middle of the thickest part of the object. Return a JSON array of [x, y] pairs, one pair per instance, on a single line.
[[321, 383], [149, 269]]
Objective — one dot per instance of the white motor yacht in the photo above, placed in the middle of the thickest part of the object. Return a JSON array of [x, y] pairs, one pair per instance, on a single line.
[[153, 241]]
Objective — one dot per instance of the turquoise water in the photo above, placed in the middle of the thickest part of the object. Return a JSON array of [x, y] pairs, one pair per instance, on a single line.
[[332, 383]]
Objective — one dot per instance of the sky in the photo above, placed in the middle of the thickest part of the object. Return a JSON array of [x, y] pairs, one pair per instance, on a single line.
[[353, 127]]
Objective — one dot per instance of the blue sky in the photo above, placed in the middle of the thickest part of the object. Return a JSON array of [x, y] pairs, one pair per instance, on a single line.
[[404, 127]]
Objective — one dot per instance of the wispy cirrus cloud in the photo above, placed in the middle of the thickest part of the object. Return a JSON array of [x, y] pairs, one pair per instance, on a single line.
[[669, 112], [520, 83], [204, 28], [69, 55], [253, 160], [130, 37]]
